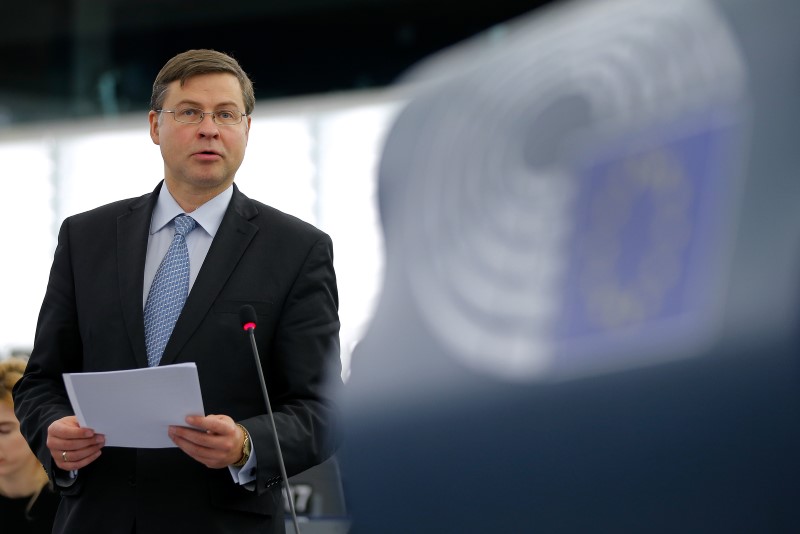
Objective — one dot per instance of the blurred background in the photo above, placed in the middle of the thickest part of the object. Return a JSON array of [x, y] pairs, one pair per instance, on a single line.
[[84, 58], [75, 87]]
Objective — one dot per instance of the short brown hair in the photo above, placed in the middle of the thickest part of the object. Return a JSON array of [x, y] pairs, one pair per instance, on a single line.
[[195, 62]]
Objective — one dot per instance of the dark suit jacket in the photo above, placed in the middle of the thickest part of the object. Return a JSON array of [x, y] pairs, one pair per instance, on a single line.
[[92, 320]]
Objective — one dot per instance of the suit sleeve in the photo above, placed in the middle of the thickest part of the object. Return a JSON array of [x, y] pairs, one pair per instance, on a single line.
[[304, 374]]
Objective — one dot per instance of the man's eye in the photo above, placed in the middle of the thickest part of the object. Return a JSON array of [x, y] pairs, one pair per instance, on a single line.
[[188, 112], [225, 115]]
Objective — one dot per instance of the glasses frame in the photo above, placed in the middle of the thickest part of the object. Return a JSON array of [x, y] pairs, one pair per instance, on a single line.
[[203, 115]]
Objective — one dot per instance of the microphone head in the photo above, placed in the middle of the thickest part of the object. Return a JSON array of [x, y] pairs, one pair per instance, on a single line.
[[247, 314]]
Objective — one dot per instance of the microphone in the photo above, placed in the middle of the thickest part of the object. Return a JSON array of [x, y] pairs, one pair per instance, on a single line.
[[247, 314]]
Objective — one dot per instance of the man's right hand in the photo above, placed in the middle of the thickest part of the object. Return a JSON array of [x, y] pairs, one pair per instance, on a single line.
[[73, 447]]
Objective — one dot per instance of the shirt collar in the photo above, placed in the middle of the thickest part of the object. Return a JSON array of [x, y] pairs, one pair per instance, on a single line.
[[208, 216]]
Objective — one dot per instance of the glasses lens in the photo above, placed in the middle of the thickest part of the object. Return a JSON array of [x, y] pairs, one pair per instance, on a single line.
[[228, 117], [190, 115]]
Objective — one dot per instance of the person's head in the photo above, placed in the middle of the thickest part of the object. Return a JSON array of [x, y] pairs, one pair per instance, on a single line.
[[200, 158], [16, 458]]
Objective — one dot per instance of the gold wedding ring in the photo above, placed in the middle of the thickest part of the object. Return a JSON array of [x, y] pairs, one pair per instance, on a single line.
[[64, 456]]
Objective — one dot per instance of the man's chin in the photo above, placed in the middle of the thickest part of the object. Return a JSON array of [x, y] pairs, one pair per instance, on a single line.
[[201, 183], [207, 179]]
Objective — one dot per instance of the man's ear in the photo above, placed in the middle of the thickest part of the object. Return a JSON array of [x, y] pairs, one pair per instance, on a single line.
[[153, 118]]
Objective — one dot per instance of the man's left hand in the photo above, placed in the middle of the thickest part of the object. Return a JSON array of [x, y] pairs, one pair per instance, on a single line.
[[216, 441]]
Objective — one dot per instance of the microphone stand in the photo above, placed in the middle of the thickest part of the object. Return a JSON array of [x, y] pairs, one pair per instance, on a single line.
[[249, 327]]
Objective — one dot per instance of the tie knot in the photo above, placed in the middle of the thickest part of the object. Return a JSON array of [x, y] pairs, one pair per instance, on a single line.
[[184, 224]]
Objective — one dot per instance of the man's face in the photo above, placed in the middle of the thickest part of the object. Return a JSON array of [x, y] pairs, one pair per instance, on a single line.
[[201, 159]]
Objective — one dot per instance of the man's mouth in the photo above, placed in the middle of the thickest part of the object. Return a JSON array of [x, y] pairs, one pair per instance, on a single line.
[[207, 155]]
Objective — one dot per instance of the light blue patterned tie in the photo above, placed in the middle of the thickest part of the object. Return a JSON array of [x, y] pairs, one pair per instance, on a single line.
[[168, 292]]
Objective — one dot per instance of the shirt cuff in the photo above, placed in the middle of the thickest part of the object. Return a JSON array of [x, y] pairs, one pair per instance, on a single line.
[[246, 475], [63, 481]]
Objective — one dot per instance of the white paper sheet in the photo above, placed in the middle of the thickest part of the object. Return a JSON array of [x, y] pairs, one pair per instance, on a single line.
[[134, 408]]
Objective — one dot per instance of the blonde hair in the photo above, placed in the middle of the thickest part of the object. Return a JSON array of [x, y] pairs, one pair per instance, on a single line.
[[11, 371]]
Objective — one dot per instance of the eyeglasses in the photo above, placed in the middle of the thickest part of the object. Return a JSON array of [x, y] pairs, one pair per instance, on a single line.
[[195, 116]]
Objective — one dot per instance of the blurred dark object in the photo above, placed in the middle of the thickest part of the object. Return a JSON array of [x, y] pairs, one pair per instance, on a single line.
[[84, 58], [319, 500], [589, 320], [318, 491]]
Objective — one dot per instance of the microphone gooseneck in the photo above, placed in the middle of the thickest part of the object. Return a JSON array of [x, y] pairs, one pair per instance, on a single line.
[[247, 314]]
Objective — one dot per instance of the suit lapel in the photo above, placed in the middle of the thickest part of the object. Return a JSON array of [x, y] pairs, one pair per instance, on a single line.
[[132, 230], [233, 236]]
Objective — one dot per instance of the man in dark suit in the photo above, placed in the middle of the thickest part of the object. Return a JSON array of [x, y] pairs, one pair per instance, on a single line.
[[224, 475]]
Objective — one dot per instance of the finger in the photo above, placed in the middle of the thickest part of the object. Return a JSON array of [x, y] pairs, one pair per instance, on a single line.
[[217, 424], [67, 444], [68, 428], [75, 452], [75, 459], [205, 446], [199, 443], [193, 435]]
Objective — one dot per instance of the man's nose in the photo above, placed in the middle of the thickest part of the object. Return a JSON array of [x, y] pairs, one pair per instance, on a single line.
[[207, 127]]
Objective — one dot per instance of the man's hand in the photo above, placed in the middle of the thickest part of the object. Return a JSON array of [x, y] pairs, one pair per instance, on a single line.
[[218, 444], [73, 447]]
